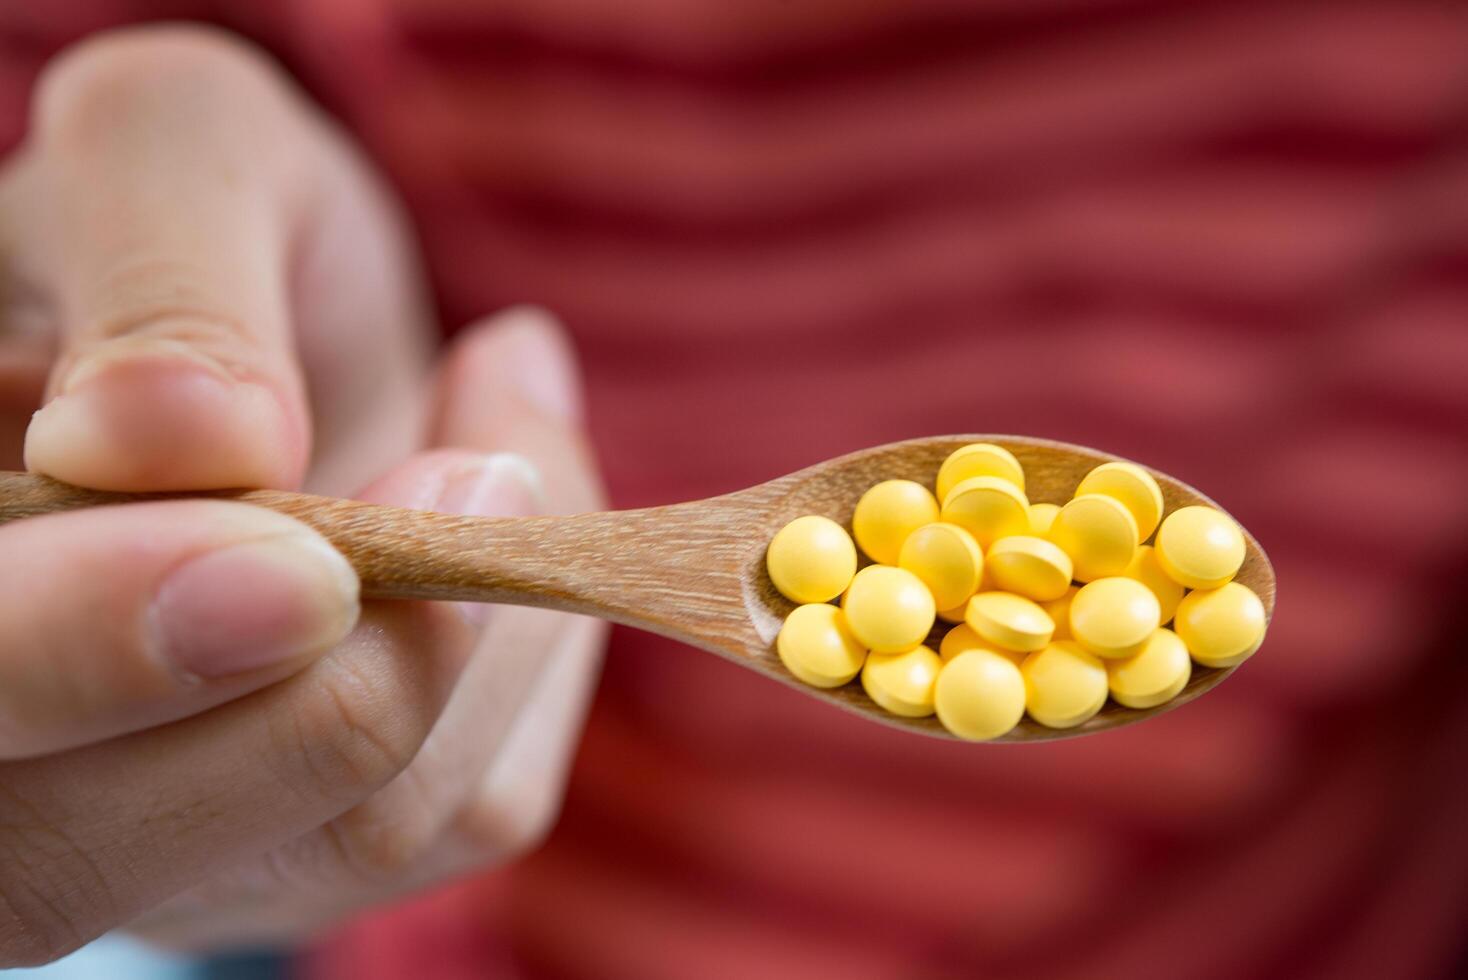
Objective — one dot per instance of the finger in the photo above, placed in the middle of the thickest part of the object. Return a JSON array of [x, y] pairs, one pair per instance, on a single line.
[[166, 169], [119, 618], [491, 774], [92, 837], [510, 383]]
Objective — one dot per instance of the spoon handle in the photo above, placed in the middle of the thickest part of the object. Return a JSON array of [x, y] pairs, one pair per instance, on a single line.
[[398, 553], [667, 569]]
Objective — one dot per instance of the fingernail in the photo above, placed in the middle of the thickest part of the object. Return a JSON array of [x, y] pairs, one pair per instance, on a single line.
[[254, 604], [497, 485], [538, 361]]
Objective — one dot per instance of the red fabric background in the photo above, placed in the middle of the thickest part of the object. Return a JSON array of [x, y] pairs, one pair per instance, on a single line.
[[1230, 239]]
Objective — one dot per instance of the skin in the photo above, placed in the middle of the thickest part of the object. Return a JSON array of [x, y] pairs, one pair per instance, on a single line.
[[206, 287]]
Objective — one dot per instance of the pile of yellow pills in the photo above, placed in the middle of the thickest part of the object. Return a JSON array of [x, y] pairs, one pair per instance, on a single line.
[[1055, 605], [811, 559]]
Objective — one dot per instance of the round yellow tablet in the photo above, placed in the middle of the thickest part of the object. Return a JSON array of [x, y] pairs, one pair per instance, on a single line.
[[1029, 566], [1114, 617], [1200, 547], [888, 609], [979, 459], [962, 638], [947, 559], [987, 507], [1064, 685], [817, 647], [902, 682], [1098, 533], [979, 695], [1146, 569], [811, 559], [1222, 626], [1009, 621], [1153, 676], [1059, 610], [1041, 517], [887, 513], [1133, 487]]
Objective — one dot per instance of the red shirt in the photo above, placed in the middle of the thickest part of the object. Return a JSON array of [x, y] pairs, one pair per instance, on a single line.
[[1228, 239]]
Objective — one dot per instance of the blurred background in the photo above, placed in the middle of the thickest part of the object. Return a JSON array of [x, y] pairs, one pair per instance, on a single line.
[[1227, 239]]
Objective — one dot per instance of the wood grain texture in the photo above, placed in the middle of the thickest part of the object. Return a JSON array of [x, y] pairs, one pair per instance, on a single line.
[[694, 571]]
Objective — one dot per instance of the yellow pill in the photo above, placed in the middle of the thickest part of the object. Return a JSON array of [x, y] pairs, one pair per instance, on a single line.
[[1064, 685], [1133, 487], [947, 559], [1059, 611], [980, 695], [887, 513], [1029, 566], [1041, 517], [811, 559], [962, 638], [1009, 621], [1146, 569], [1222, 626], [1153, 676], [1098, 533], [1114, 617], [987, 507], [902, 682], [1200, 547], [888, 609], [816, 646], [979, 459]]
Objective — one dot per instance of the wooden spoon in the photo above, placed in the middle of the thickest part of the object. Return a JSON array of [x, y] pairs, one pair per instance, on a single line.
[[694, 572]]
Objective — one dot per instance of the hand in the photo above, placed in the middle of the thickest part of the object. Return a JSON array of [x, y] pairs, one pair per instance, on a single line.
[[203, 732]]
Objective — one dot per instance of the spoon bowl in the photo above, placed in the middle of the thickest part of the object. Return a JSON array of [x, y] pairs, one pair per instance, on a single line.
[[1052, 472], [693, 571]]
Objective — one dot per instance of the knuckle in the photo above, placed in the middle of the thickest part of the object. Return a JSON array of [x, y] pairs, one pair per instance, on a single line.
[[343, 736], [141, 69], [377, 850], [510, 822]]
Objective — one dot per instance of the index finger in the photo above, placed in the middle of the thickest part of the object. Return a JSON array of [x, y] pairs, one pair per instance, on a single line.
[[164, 174]]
